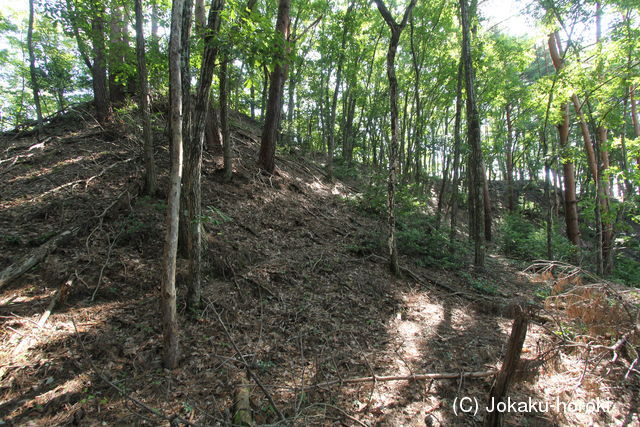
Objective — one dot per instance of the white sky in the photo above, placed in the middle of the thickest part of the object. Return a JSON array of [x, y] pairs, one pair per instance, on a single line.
[[507, 15]]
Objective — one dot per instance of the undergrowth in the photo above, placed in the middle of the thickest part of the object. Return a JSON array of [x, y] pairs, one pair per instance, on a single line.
[[522, 239], [417, 233]]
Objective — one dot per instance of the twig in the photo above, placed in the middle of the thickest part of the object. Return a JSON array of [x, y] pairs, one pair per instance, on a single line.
[[343, 412], [93, 295], [253, 376]]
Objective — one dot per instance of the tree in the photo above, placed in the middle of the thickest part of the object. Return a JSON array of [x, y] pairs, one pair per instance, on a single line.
[[144, 95], [570, 199], [94, 56], [396, 31], [476, 169], [193, 158], [266, 160], [168, 296], [334, 100], [32, 67]]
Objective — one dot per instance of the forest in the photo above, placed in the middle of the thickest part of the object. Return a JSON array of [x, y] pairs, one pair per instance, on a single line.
[[324, 212]]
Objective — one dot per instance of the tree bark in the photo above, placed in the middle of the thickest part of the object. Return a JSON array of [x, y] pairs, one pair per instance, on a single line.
[[117, 52], [99, 69], [193, 159], [568, 168], [509, 161], [185, 75], [486, 203], [224, 118], [150, 181], [168, 296], [456, 158], [266, 159], [634, 111], [475, 169], [35, 87], [509, 367], [201, 17], [334, 99]]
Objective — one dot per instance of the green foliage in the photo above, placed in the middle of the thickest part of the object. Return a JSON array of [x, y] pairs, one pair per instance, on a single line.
[[214, 216], [416, 232], [480, 284], [524, 240], [627, 270], [11, 240]]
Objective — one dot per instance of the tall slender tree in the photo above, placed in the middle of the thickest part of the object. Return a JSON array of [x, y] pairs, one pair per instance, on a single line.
[[150, 165], [168, 296], [32, 67], [192, 185], [396, 31], [476, 169]]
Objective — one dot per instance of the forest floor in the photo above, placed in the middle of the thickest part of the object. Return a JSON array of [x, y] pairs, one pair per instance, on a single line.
[[290, 290]]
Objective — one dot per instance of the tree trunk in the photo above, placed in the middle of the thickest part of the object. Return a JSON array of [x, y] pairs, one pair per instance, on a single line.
[[32, 68], [486, 203], [475, 171], [266, 160], [224, 118], [634, 111], [150, 180], [570, 199], [168, 298], [456, 159], [192, 207], [201, 17], [188, 184], [347, 134], [155, 45], [99, 70], [117, 52], [334, 100], [509, 161], [396, 31]]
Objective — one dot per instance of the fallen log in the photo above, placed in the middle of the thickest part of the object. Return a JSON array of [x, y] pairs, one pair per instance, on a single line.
[[32, 259], [242, 407]]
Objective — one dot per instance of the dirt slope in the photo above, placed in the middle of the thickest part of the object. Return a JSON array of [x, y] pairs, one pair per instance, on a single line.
[[286, 282]]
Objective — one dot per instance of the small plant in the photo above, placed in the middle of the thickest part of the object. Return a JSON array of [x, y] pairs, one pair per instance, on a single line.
[[214, 216], [480, 284], [11, 240], [265, 365], [153, 203], [187, 408], [43, 238]]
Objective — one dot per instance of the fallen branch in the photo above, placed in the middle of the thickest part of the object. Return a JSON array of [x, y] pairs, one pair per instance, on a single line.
[[414, 377], [30, 260]]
